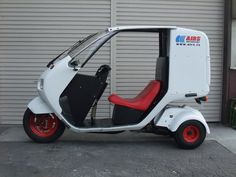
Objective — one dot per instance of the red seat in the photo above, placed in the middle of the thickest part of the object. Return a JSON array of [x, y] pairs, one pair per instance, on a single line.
[[142, 101]]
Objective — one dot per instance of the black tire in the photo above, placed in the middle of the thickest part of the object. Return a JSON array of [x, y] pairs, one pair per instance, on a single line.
[[34, 126], [190, 134]]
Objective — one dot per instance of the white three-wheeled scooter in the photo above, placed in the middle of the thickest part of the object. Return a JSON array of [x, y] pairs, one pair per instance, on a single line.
[[66, 96]]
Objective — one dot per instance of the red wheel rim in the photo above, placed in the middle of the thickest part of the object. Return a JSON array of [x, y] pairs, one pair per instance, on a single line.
[[43, 125], [191, 133]]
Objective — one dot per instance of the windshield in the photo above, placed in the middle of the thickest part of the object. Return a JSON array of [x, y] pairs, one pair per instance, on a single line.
[[83, 50]]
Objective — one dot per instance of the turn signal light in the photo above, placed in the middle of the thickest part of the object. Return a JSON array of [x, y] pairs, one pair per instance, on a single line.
[[199, 100]]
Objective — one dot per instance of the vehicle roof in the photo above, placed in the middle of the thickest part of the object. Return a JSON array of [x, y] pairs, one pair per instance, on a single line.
[[118, 28]]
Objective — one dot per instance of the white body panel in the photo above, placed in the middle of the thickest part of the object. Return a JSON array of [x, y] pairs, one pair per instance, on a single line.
[[189, 70], [173, 117], [38, 106], [54, 82], [182, 59]]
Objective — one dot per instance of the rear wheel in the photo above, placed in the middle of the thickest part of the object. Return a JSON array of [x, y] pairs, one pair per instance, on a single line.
[[42, 128], [190, 134]]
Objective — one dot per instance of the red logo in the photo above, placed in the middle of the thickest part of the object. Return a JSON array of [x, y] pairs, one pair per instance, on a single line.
[[188, 40], [193, 39]]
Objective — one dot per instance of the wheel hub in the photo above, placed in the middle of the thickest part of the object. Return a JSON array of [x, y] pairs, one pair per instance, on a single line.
[[43, 125], [191, 134]]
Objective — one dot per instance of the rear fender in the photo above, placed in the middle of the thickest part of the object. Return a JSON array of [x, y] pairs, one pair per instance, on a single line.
[[38, 106], [173, 117]]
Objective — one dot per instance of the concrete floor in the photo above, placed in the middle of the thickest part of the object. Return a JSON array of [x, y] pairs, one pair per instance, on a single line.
[[226, 136], [125, 154]]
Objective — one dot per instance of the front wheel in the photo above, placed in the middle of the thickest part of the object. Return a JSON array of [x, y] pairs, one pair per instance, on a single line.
[[42, 128], [190, 134]]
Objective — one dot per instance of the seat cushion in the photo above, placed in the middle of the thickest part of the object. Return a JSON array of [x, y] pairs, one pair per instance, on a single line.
[[142, 101]]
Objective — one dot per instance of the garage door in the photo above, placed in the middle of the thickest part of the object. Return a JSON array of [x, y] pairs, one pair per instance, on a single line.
[[135, 64], [31, 34]]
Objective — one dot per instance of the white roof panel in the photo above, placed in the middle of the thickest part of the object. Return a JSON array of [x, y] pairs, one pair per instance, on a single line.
[[139, 27]]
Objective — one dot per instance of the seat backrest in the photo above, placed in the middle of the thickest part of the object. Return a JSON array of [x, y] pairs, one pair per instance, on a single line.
[[162, 69]]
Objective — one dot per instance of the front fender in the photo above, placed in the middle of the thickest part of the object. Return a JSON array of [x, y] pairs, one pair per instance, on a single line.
[[38, 106], [172, 118]]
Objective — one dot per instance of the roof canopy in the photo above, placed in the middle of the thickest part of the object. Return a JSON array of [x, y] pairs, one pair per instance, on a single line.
[[120, 28]]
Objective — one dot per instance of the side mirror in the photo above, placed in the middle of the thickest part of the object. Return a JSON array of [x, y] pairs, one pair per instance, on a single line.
[[74, 64]]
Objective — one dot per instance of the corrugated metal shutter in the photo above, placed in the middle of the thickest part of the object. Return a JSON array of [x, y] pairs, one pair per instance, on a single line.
[[136, 55], [204, 15], [31, 34]]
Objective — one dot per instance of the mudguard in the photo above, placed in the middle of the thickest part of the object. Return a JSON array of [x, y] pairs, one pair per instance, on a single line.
[[38, 106], [173, 117]]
